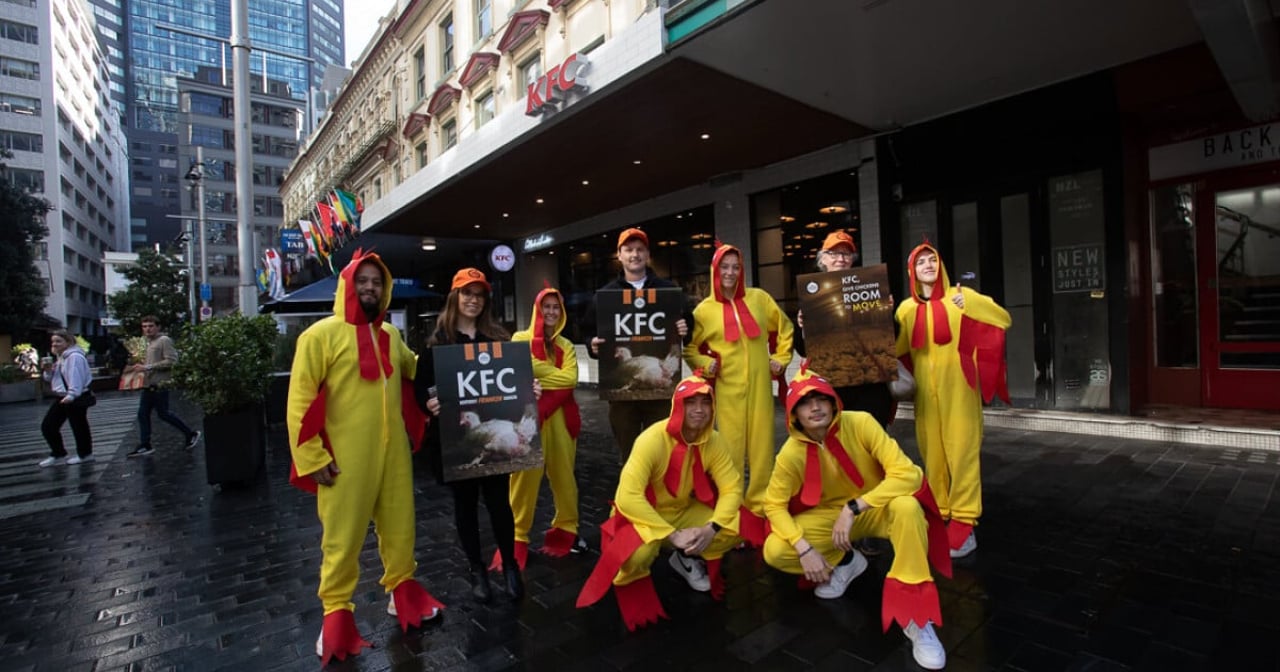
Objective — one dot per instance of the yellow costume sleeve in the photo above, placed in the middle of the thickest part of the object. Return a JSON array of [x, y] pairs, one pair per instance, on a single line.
[[984, 309], [779, 323], [552, 377], [906, 317], [702, 318], [728, 480], [902, 478], [788, 476], [309, 371], [647, 463]]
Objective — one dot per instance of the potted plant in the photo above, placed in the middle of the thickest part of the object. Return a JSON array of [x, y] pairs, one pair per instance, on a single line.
[[20, 381], [224, 365]]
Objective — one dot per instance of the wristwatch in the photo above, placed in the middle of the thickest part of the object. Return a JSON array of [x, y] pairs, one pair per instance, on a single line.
[[853, 506], [715, 527]]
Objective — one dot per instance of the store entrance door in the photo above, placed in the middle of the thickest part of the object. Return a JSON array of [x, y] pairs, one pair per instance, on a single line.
[[1238, 271]]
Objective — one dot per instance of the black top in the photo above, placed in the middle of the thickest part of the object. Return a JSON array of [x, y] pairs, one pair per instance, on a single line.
[[423, 380], [651, 281]]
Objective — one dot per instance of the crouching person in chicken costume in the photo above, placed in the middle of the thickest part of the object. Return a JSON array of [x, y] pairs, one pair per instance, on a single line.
[[839, 477], [555, 365], [350, 404], [680, 488]]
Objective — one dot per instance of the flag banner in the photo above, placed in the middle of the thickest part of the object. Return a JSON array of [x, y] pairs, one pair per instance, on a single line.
[[848, 325], [275, 274], [641, 355], [308, 236], [488, 414]]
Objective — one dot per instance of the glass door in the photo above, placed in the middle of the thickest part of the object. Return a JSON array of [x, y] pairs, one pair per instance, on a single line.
[[1239, 269]]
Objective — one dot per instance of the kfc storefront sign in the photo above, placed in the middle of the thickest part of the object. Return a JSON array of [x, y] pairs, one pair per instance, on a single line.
[[551, 89]]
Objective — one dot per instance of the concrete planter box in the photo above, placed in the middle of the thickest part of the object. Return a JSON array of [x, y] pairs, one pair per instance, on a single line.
[[26, 390]]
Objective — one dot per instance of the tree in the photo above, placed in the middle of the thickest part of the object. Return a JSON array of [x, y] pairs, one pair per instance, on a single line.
[[22, 288], [157, 286]]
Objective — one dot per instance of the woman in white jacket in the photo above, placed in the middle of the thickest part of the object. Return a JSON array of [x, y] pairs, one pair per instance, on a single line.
[[70, 377]]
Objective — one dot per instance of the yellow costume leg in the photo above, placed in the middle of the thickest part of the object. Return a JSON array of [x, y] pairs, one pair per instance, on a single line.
[[698, 514], [524, 499], [760, 450], [902, 522], [637, 566], [561, 452], [345, 509], [962, 450], [816, 524], [393, 519], [929, 437]]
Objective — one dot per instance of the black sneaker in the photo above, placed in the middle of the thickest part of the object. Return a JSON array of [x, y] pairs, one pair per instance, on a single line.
[[142, 451], [194, 439], [579, 546]]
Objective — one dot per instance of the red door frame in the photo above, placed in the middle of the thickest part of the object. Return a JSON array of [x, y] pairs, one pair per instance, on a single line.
[[1219, 387]]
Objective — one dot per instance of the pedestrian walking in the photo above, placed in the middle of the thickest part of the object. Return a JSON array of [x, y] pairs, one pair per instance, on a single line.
[[156, 370], [70, 376], [351, 433]]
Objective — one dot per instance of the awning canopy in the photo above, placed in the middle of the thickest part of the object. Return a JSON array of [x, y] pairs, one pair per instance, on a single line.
[[322, 292]]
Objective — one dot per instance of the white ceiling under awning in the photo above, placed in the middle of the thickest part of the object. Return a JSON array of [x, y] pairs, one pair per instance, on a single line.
[[885, 64]]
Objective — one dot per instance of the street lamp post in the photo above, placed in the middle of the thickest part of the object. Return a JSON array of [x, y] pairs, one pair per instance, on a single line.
[[244, 153], [196, 176]]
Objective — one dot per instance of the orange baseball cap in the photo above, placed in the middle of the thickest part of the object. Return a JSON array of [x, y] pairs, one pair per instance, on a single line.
[[836, 239], [468, 276], [632, 233]]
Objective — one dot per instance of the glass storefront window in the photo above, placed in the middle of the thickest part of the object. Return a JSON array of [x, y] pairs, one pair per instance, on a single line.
[[1175, 317], [790, 224], [1247, 231]]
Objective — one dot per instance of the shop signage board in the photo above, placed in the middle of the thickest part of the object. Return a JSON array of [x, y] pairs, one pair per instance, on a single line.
[[848, 325], [641, 357], [502, 258], [550, 90], [1078, 268], [291, 241], [488, 414], [1241, 147]]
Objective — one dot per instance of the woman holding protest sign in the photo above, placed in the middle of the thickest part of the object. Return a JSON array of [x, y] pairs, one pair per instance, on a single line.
[[466, 318]]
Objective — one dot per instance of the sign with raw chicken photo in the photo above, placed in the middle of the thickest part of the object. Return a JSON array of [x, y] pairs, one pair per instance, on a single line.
[[641, 355], [488, 414], [848, 325]]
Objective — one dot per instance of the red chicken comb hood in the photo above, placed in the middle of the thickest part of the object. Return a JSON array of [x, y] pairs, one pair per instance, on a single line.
[[807, 382], [346, 305], [537, 343], [735, 307], [941, 325], [686, 388]]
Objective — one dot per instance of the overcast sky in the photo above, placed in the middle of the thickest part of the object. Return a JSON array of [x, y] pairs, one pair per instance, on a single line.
[[362, 19]]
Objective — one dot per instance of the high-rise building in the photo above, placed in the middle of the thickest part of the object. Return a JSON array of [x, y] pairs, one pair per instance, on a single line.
[[205, 121], [67, 146], [293, 41]]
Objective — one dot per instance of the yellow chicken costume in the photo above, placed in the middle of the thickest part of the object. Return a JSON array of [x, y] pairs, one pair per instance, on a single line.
[[957, 357], [666, 485], [728, 330], [813, 481], [351, 404], [556, 367]]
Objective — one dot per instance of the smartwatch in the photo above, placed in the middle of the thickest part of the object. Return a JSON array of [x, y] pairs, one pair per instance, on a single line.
[[853, 506], [715, 527]]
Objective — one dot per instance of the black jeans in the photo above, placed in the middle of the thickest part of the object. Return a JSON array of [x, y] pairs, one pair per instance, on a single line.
[[466, 516], [157, 399], [51, 427]]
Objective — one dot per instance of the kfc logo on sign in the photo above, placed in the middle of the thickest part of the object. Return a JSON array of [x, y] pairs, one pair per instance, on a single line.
[[562, 78]]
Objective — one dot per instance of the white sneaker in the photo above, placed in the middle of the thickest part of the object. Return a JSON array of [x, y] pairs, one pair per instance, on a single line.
[[320, 644], [970, 545], [49, 462], [925, 647], [692, 570], [76, 459], [842, 577]]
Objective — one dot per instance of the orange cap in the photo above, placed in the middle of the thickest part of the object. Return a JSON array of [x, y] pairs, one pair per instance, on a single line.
[[632, 233], [836, 239], [468, 276]]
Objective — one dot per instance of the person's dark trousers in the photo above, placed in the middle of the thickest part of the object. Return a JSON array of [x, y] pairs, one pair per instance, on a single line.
[[51, 427], [158, 400], [629, 418], [466, 516]]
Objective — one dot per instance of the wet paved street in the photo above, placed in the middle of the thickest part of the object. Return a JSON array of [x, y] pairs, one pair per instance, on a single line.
[[1094, 553]]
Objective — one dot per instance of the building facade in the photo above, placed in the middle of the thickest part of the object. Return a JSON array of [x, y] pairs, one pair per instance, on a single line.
[[56, 118], [205, 121], [296, 40], [1110, 183]]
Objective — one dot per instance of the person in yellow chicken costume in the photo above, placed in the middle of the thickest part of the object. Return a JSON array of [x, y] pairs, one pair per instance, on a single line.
[[952, 339], [839, 478], [555, 365], [351, 416], [679, 488], [734, 331]]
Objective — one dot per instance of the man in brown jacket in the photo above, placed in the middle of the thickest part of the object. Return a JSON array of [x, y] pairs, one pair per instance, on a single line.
[[161, 356]]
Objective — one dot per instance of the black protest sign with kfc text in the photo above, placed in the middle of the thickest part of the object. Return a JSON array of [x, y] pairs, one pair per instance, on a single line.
[[488, 414], [641, 355], [848, 325]]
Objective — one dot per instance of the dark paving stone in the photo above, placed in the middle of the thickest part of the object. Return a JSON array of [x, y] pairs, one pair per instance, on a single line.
[[1094, 553]]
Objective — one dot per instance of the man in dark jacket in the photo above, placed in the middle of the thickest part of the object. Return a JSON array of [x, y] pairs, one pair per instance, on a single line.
[[629, 418]]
